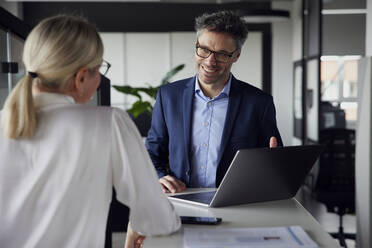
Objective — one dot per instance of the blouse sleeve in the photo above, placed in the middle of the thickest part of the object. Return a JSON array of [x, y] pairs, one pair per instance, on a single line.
[[135, 180]]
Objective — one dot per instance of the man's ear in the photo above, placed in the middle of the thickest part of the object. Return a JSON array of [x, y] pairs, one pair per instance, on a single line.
[[80, 79], [237, 56]]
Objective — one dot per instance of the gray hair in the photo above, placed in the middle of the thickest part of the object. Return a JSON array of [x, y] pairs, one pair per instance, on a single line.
[[225, 22]]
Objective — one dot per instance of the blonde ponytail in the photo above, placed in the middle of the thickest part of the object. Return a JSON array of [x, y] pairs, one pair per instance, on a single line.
[[18, 116], [54, 51]]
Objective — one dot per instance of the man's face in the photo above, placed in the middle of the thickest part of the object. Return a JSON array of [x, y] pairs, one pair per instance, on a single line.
[[211, 71]]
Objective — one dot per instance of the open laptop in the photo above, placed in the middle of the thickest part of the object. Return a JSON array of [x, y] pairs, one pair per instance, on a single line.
[[257, 175]]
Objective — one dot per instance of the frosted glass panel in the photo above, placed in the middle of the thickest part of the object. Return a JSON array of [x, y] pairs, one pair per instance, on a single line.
[[312, 99], [183, 52], [148, 59], [16, 50], [3, 76], [248, 68], [16, 56], [114, 53]]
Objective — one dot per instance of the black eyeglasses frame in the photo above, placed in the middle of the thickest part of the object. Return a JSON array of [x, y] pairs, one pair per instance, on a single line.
[[230, 55], [106, 65]]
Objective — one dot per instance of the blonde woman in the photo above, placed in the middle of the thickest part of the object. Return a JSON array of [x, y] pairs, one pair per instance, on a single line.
[[59, 158]]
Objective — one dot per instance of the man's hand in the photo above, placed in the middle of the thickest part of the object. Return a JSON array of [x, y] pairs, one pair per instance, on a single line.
[[171, 184], [133, 239], [273, 142]]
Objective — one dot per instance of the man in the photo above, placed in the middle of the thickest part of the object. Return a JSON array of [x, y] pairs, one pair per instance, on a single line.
[[199, 123]]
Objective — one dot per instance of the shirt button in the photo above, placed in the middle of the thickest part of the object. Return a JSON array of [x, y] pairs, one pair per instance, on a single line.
[[202, 167], [204, 145], [209, 104], [206, 123]]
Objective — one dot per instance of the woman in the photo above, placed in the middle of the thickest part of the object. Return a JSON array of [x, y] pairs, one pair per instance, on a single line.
[[61, 158]]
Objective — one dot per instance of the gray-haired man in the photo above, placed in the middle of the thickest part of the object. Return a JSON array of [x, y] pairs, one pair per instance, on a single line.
[[199, 123]]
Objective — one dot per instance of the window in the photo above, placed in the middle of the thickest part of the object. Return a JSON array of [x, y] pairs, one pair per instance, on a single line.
[[339, 85]]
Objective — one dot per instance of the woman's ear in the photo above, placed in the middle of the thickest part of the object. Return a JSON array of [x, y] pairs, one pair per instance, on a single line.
[[80, 80]]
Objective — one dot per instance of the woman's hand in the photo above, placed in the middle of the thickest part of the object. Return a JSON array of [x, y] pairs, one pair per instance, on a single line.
[[133, 240]]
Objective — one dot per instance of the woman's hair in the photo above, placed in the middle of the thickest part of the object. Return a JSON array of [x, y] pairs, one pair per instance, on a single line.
[[224, 21], [54, 51]]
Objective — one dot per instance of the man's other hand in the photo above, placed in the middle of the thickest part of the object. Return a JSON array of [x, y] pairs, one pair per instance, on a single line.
[[273, 142], [171, 184]]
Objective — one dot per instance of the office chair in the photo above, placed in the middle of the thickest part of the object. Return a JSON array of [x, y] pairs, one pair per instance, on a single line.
[[335, 185]]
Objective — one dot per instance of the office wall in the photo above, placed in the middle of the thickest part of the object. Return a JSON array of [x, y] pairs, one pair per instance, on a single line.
[[249, 66], [296, 18], [140, 59], [344, 34], [13, 7], [368, 28], [182, 52], [344, 4], [114, 53], [282, 82]]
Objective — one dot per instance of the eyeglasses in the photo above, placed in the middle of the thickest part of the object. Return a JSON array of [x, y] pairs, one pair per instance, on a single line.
[[219, 56], [104, 67]]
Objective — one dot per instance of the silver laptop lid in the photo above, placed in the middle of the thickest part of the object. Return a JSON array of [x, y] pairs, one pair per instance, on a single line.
[[265, 174]]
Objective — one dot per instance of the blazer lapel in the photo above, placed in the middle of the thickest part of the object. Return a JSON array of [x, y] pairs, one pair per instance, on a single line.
[[232, 112], [188, 96]]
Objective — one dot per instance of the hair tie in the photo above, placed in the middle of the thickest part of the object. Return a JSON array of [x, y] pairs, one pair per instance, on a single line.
[[33, 74]]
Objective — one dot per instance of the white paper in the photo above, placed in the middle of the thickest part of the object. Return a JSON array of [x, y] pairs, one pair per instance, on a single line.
[[262, 237]]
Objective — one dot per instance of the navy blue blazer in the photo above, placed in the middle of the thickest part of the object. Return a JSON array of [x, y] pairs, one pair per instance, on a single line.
[[250, 122]]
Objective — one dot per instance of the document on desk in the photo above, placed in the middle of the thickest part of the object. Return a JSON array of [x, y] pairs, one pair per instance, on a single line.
[[262, 237]]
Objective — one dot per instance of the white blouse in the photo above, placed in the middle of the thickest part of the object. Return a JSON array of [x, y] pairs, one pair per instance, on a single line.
[[56, 188]]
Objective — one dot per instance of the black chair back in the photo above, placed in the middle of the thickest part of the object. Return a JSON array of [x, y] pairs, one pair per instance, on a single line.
[[335, 185]]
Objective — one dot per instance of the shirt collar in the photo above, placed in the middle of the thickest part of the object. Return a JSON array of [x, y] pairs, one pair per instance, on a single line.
[[46, 100], [225, 91]]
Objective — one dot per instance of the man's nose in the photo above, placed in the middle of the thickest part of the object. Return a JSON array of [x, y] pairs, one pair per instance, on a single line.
[[211, 59]]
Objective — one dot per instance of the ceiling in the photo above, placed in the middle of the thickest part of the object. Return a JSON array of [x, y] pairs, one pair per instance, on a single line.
[[219, 1], [162, 1]]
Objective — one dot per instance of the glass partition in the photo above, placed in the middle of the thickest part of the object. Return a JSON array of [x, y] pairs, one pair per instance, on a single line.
[[16, 51], [3, 76]]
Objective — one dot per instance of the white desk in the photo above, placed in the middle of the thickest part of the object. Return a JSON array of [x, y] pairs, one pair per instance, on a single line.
[[274, 213]]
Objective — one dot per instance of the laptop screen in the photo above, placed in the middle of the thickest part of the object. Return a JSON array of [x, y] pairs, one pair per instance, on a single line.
[[202, 197]]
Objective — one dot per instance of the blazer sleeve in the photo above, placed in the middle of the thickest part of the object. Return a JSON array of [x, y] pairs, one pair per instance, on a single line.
[[157, 138], [268, 124]]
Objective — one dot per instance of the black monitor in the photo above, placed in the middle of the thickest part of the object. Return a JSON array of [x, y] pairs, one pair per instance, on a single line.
[[102, 95]]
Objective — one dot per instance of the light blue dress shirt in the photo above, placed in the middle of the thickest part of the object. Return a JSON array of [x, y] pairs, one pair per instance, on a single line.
[[207, 126]]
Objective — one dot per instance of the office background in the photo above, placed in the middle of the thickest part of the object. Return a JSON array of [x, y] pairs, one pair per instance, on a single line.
[[144, 40]]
